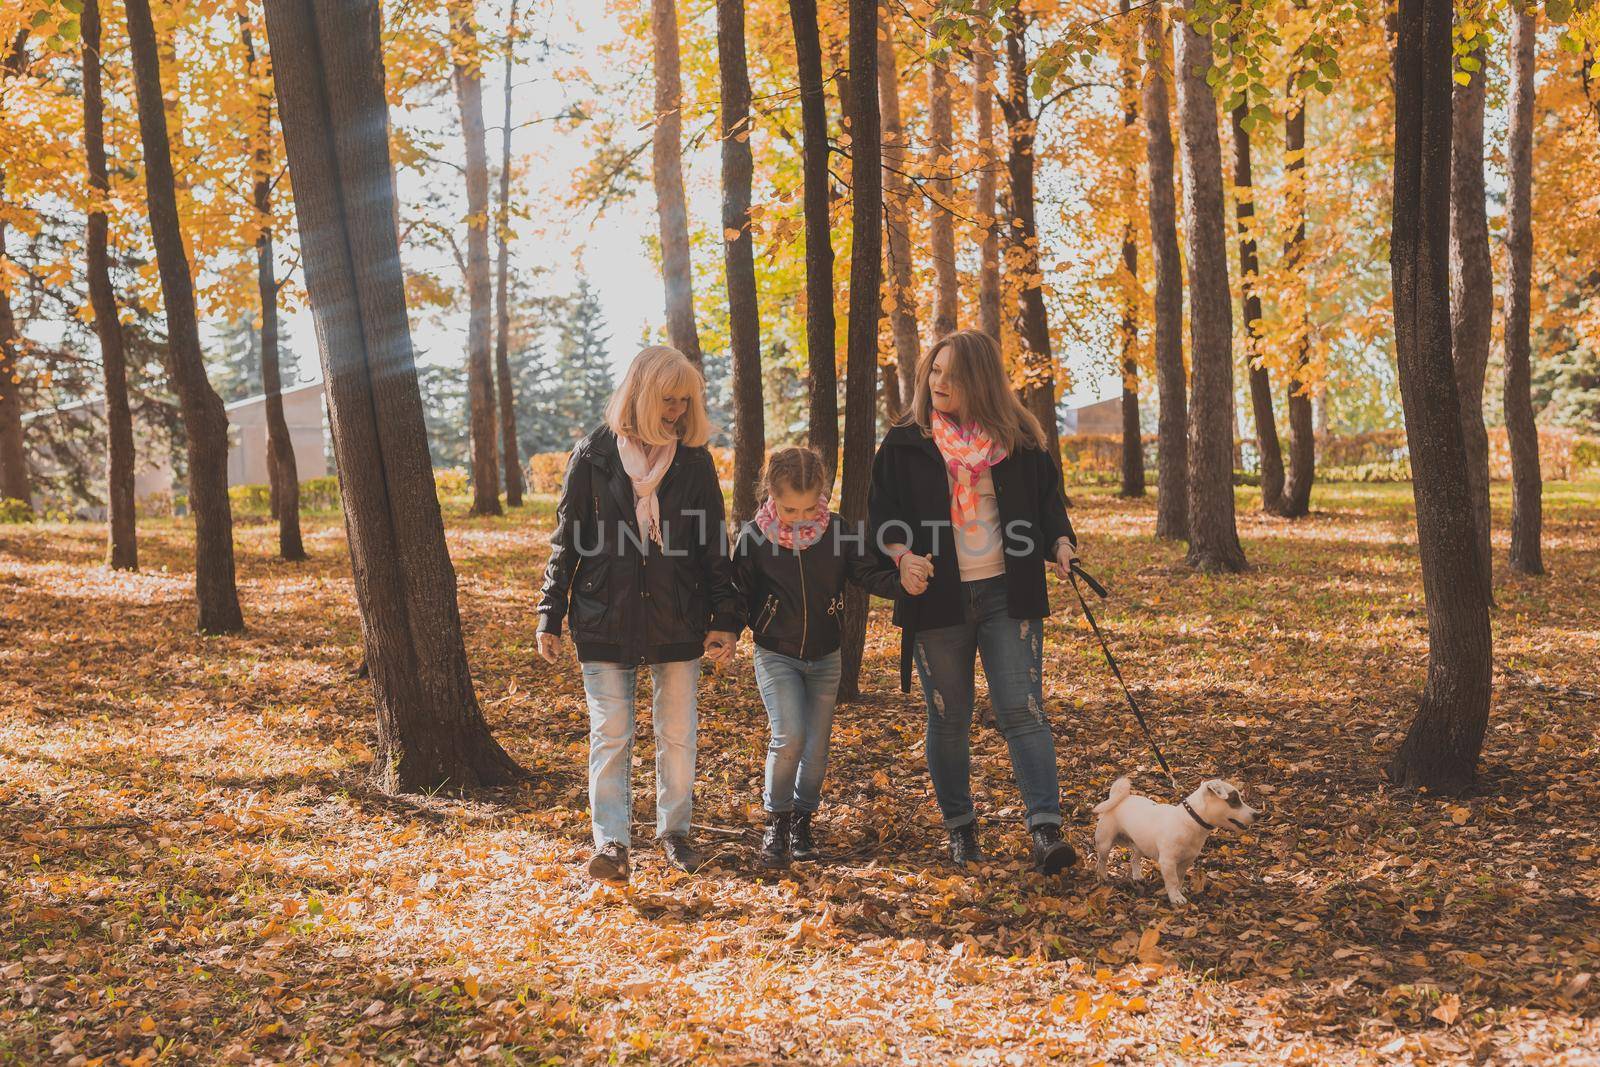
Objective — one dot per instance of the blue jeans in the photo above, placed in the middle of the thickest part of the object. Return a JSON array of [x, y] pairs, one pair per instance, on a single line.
[[610, 689], [800, 695], [1013, 663]]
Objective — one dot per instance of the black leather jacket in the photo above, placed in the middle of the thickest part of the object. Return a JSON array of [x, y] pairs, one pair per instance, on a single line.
[[791, 599], [624, 604]]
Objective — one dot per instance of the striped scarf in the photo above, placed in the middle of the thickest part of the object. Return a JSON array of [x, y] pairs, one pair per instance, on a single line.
[[967, 452], [797, 535]]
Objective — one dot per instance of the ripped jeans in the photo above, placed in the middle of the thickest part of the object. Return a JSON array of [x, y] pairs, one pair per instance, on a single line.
[[1013, 664]]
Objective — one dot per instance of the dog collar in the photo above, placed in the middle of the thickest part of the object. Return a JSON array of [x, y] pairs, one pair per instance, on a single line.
[[1196, 816]]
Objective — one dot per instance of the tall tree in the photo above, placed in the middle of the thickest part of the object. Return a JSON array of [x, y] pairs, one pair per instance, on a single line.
[[204, 422], [1038, 362], [122, 543], [13, 459], [330, 83], [1472, 286], [941, 220], [898, 215], [1527, 489], [666, 148], [983, 93], [1132, 436], [283, 472], [861, 345], [466, 60], [1244, 208], [1441, 747], [1296, 500], [509, 453], [820, 346], [1172, 451], [1213, 536], [744, 324]]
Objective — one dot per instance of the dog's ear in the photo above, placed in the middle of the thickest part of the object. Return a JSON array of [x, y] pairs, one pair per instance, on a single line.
[[1219, 787]]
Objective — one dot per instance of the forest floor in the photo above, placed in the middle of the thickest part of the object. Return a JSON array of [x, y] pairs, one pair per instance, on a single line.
[[194, 866]]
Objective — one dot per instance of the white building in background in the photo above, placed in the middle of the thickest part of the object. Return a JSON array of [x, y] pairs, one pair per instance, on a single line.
[[306, 415], [1100, 417]]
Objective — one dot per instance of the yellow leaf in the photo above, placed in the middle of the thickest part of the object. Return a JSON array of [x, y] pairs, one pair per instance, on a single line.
[[732, 235]]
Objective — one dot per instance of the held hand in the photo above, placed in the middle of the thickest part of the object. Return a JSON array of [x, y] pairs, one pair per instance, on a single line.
[[720, 646], [915, 571], [550, 646], [1066, 553]]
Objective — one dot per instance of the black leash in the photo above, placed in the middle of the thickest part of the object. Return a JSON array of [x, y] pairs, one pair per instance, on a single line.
[[1074, 574]]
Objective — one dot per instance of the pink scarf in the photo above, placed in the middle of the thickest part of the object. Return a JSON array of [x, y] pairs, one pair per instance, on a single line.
[[967, 452], [646, 466], [797, 535]]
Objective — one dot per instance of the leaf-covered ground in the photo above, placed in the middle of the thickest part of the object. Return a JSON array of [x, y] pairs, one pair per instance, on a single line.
[[194, 867]]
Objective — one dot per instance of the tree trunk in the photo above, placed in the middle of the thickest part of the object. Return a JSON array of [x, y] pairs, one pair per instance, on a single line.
[[1472, 296], [122, 542], [983, 91], [1526, 483], [820, 348], [13, 459], [509, 452], [1213, 537], [861, 348], [1440, 751], [204, 422], [431, 734], [666, 156], [942, 223], [1172, 449], [1302, 432], [744, 324], [1132, 438], [1267, 446], [897, 209], [467, 72], [284, 473], [1038, 364]]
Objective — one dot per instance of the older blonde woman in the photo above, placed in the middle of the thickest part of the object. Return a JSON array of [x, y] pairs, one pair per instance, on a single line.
[[639, 569]]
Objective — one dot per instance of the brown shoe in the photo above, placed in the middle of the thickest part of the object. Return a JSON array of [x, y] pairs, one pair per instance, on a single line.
[[610, 863], [681, 854]]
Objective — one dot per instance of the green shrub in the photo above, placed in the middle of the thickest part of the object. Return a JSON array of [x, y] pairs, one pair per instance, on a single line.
[[14, 510], [320, 494], [250, 499], [450, 481]]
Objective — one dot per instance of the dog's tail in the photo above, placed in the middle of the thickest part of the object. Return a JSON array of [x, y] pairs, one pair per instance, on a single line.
[[1119, 792]]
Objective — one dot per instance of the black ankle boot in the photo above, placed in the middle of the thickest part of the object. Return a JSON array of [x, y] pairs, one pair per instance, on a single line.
[[800, 837], [1052, 855], [964, 845], [774, 855]]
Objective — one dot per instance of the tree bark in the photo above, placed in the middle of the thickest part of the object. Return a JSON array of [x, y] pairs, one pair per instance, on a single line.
[[122, 542], [1472, 295], [431, 734], [1267, 446], [861, 346], [1132, 438], [509, 452], [1172, 454], [1302, 432], [13, 459], [744, 323], [204, 422], [983, 92], [1213, 536], [467, 72], [941, 219], [284, 473], [820, 326], [666, 156], [1038, 363], [899, 214], [1441, 748], [1527, 488]]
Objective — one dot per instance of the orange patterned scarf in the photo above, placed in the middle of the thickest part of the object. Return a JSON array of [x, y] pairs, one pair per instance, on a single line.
[[967, 452]]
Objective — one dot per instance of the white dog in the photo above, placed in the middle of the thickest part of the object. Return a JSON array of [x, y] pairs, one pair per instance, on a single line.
[[1171, 835]]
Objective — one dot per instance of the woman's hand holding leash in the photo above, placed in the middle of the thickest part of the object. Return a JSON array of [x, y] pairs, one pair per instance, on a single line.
[[1066, 556]]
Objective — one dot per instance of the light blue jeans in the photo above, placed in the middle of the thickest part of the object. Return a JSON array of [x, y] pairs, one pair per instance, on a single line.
[[800, 695], [610, 689]]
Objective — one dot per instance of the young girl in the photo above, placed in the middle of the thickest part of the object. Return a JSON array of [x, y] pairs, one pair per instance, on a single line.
[[791, 564]]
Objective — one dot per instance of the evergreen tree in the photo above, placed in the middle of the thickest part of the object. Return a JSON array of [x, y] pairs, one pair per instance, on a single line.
[[583, 365], [444, 412]]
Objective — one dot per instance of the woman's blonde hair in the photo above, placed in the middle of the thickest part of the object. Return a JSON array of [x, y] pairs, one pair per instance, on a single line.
[[634, 410], [975, 368]]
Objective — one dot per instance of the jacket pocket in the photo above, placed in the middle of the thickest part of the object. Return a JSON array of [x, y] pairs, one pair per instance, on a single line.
[[591, 601], [692, 603], [769, 611]]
